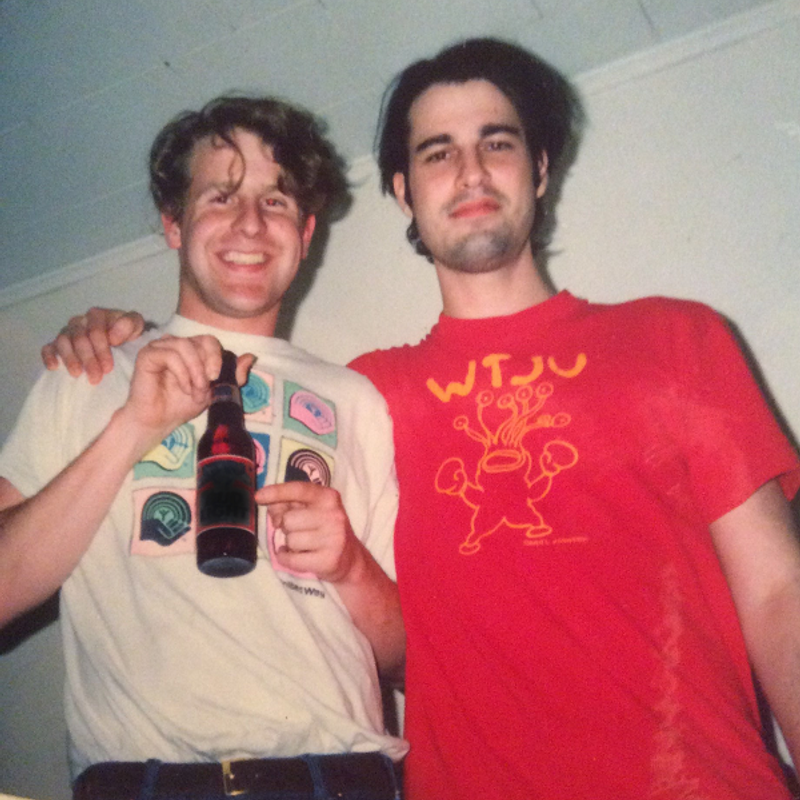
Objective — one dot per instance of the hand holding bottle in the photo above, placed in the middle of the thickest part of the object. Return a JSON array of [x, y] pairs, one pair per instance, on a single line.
[[171, 384]]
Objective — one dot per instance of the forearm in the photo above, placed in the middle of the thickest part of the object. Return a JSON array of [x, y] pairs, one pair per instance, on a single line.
[[757, 543], [320, 539], [773, 641], [43, 538], [373, 601]]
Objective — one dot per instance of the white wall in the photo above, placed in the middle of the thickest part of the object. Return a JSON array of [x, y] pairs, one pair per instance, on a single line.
[[688, 184]]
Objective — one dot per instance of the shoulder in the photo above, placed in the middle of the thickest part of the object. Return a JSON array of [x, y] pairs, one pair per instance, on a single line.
[[59, 387], [339, 383], [381, 366], [655, 309], [58, 419], [661, 319]]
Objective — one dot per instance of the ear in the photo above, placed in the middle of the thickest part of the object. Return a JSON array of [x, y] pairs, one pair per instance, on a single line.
[[399, 186], [543, 166], [172, 231], [308, 232]]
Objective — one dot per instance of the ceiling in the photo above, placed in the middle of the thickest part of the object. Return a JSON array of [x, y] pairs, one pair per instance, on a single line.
[[86, 84]]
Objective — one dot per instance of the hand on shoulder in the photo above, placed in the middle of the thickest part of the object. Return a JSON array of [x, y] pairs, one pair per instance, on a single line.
[[84, 343]]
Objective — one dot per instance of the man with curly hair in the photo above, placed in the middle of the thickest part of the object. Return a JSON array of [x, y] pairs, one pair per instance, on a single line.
[[180, 684]]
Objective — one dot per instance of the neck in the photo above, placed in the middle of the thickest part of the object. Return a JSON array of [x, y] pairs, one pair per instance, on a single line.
[[498, 293], [259, 325]]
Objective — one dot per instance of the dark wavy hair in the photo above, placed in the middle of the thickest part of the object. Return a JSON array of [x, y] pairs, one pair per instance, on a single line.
[[313, 171], [547, 104]]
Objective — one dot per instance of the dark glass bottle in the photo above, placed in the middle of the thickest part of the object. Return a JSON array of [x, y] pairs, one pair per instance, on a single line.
[[226, 509]]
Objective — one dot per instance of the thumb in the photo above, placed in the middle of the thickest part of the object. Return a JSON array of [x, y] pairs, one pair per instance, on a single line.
[[244, 364], [127, 327]]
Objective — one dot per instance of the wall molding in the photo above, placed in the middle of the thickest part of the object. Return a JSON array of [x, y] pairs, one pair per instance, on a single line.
[[122, 256], [676, 51]]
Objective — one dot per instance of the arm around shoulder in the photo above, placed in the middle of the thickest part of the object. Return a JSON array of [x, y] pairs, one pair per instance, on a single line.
[[84, 343]]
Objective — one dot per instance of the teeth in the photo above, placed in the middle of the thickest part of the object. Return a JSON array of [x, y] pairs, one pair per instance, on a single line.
[[236, 257]]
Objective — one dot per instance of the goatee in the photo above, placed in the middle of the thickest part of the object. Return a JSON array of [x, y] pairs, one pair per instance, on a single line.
[[479, 252]]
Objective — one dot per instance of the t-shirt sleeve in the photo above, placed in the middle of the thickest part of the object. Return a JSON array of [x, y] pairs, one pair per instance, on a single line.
[[32, 455], [60, 416], [734, 441], [380, 432], [377, 447], [373, 366]]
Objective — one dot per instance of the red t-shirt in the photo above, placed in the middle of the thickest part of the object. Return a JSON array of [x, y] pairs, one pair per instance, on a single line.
[[570, 632]]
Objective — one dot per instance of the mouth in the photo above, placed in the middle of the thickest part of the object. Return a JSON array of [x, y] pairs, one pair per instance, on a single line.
[[241, 259], [475, 208]]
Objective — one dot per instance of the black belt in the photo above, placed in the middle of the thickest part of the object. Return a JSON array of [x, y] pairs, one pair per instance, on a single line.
[[346, 775]]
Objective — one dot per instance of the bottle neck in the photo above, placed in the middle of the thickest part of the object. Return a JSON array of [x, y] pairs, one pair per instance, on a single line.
[[226, 401], [226, 393]]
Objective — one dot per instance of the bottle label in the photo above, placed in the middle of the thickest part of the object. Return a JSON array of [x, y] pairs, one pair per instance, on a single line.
[[225, 393], [225, 487]]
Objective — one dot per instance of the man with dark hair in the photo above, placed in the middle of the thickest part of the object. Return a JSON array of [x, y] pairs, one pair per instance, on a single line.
[[593, 546], [548, 107], [600, 515], [180, 684]]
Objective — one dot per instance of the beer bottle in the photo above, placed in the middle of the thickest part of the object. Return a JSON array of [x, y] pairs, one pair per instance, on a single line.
[[226, 509]]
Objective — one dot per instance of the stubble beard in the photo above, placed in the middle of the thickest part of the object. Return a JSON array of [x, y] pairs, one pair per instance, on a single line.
[[478, 253]]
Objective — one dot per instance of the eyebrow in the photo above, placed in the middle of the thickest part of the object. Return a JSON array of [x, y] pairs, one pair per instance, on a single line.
[[433, 141], [487, 130], [230, 187]]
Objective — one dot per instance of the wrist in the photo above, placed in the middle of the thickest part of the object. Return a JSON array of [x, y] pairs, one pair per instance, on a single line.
[[131, 437], [360, 570]]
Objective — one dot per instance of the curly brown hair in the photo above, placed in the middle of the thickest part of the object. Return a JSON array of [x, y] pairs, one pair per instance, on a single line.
[[313, 171]]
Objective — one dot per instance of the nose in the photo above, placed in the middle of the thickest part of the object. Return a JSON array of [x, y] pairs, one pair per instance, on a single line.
[[249, 218], [473, 169]]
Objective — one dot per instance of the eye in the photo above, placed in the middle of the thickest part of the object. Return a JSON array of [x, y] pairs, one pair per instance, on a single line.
[[436, 156], [496, 145], [276, 201], [220, 198]]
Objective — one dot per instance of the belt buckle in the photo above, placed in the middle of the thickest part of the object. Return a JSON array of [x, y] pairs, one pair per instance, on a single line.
[[229, 779]]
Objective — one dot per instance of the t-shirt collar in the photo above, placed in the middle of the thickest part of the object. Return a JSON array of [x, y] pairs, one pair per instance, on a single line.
[[454, 332], [236, 342]]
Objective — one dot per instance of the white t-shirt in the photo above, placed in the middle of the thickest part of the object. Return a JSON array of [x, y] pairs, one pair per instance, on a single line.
[[165, 662]]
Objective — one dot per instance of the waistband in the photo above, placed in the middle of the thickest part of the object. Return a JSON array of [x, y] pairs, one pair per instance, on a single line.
[[348, 775]]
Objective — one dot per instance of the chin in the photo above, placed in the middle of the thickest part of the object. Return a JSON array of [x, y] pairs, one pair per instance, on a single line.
[[243, 309], [479, 254]]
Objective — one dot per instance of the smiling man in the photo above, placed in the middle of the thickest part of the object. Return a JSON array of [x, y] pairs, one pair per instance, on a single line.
[[178, 684], [238, 224]]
